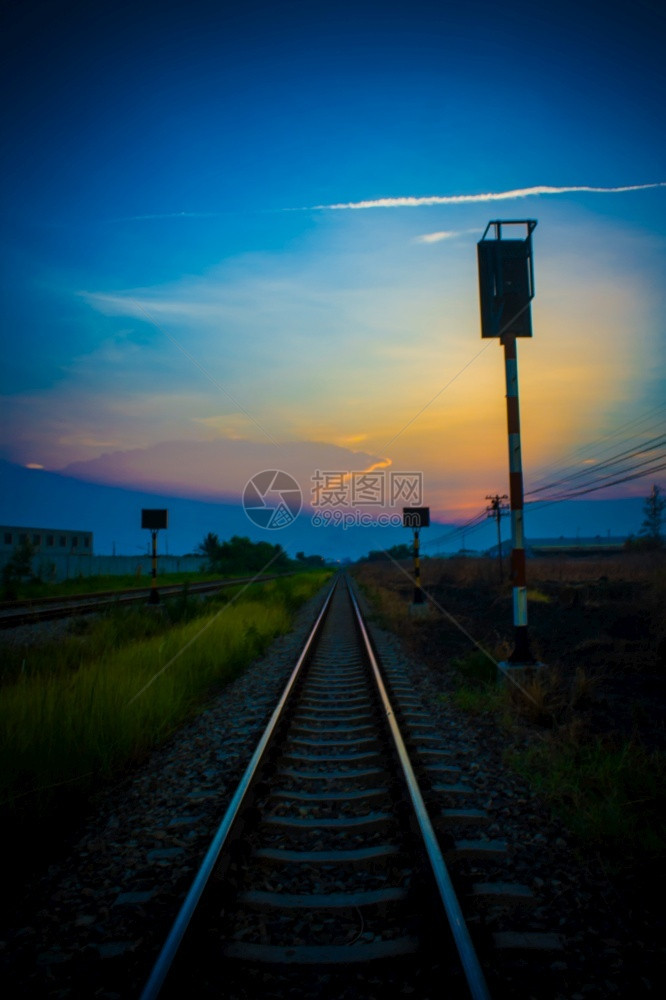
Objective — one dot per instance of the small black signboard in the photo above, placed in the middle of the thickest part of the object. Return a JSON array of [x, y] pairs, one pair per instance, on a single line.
[[416, 517], [154, 519]]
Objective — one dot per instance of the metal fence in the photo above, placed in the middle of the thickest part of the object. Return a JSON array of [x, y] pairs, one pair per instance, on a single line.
[[66, 567]]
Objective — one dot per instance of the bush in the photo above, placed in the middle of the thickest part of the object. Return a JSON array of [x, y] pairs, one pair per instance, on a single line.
[[17, 569]]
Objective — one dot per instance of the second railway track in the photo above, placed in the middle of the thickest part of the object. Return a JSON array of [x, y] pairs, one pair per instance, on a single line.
[[326, 874], [32, 611]]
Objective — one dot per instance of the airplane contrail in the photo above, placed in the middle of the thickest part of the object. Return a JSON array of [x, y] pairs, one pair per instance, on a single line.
[[461, 199]]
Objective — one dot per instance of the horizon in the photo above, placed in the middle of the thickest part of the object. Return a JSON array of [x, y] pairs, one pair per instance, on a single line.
[[112, 515]]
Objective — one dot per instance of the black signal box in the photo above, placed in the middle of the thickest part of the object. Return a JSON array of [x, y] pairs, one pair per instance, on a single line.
[[416, 517], [154, 520], [506, 283]]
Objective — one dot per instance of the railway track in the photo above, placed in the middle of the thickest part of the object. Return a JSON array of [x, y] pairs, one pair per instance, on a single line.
[[325, 874], [30, 612]]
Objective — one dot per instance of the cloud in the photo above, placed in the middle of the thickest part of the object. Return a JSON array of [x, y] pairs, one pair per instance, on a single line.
[[414, 202], [435, 237], [464, 199], [445, 234], [219, 468]]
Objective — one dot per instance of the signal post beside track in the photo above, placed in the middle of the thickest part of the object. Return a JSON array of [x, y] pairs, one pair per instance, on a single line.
[[506, 286], [153, 520], [417, 518]]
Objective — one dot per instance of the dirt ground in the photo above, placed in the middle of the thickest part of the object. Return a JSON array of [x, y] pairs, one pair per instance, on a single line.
[[598, 624]]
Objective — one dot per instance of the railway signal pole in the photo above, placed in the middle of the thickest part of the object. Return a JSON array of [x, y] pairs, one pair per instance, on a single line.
[[153, 520], [506, 286], [496, 509], [416, 518]]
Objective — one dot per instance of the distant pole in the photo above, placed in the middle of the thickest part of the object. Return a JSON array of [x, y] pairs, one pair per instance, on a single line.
[[418, 593], [416, 518], [153, 519], [154, 592], [496, 509]]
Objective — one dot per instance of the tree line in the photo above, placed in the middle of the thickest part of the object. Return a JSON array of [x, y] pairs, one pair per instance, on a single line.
[[240, 555], [650, 535]]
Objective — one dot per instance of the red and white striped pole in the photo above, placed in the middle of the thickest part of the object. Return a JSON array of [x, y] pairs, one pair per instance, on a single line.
[[506, 287], [521, 652]]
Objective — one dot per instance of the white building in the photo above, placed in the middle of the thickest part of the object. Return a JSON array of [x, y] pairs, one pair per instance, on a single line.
[[46, 541]]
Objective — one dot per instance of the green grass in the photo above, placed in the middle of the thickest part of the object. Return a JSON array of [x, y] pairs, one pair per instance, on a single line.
[[612, 797], [67, 724], [476, 690], [92, 637], [484, 701], [475, 670]]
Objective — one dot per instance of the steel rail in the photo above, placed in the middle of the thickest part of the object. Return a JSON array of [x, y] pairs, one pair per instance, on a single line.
[[13, 614], [170, 948], [176, 588], [466, 951]]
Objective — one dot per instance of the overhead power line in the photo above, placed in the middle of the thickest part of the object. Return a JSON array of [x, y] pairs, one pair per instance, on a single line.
[[600, 446], [636, 461], [593, 489], [589, 472]]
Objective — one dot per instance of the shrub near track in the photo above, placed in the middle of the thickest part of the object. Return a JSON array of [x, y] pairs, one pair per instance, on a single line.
[[68, 728], [611, 796]]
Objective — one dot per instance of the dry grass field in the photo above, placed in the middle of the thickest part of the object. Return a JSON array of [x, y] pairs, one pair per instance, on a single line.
[[599, 625], [589, 731]]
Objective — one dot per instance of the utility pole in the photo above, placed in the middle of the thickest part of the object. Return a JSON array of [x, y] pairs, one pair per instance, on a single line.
[[506, 286], [496, 509]]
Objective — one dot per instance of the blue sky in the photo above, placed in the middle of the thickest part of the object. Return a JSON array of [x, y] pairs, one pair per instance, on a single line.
[[173, 274]]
